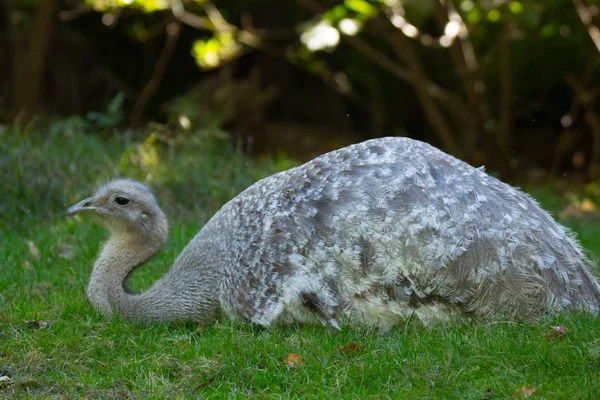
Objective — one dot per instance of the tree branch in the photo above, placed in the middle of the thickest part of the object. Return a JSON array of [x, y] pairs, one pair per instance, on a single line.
[[452, 103], [586, 17], [216, 23], [403, 49], [173, 30]]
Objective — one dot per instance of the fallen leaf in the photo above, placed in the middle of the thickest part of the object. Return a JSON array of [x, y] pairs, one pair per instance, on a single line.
[[293, 360], [36, 324], [4, 380], [557, 332], [524, 392], [588, 206], [33, 250], [65, 251], [489, 394], [560, 329], [578, 209], [350, 347]]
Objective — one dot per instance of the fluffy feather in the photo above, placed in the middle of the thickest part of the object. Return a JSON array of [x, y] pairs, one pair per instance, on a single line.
[[373, 233]]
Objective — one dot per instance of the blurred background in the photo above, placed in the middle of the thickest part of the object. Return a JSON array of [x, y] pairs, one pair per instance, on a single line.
[[206, 97]]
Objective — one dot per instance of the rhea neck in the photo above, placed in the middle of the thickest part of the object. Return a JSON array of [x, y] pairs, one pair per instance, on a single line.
[[124, 251]]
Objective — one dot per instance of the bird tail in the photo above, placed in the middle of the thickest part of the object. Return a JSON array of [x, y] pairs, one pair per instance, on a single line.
[[590, 289]]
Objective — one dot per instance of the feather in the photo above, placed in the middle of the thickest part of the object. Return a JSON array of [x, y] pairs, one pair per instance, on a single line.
[[371, 234]]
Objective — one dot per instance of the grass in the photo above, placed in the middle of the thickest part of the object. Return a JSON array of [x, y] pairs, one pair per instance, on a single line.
[[52, 344]]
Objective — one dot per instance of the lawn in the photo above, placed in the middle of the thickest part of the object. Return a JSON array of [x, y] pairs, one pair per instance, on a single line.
[[53, 345]]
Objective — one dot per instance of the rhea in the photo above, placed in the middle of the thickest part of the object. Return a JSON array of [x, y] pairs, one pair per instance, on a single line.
[[370, 234]]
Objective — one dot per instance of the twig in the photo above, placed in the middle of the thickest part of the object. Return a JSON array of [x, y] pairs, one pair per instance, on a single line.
[[188, 18], [216, 23], [403, 49], [452, 103], [465, 59], [217, 19], [586, 17], [173, 30]]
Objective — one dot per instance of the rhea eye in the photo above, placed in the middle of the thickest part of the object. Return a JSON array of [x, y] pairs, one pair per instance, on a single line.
[[121, 200]]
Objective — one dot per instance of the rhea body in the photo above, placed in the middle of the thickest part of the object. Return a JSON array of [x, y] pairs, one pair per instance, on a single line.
[[370, 234]]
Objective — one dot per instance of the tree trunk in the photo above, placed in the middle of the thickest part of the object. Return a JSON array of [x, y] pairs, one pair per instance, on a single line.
[[30, 48]]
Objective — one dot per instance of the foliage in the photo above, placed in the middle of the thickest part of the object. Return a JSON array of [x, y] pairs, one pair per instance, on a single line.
[[213, 52], [94, 121], [36, 170], [479, 69], [481, 79], [113, 115], [53, 345], [42, 174], [145, 5]]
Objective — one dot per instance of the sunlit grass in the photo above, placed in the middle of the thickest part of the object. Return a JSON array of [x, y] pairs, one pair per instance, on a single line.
[[79, 355]]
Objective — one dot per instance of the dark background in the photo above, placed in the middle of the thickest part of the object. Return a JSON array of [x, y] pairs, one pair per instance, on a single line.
[[516, 88]]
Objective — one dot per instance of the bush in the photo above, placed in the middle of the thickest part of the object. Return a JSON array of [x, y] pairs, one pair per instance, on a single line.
[[45, 169]]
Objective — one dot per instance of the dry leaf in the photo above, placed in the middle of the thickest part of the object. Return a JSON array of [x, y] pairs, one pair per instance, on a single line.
[[560, 329], [35, 252], [524, 392], [578, 209], [557, 332], [489, 394], [293, 360], [4, 380], [35, 324], [588, 206], [570, 211], [350, 347], [65, 251]]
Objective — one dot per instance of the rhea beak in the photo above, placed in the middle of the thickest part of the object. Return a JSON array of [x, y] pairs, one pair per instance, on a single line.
[[84, 205]]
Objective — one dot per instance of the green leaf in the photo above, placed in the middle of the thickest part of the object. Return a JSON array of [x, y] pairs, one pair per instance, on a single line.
[[548, 30], [493, 15], [212, 52], [516, 7], [474, 16], [361, 7], [116, 104], [335, 14]]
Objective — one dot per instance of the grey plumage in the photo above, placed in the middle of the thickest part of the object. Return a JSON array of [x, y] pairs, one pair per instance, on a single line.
[[372, 234]]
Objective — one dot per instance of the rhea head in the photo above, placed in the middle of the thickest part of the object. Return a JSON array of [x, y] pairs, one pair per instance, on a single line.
[[126, 207]]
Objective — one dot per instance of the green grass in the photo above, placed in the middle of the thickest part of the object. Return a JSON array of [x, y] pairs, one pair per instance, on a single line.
[[79, 355]]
